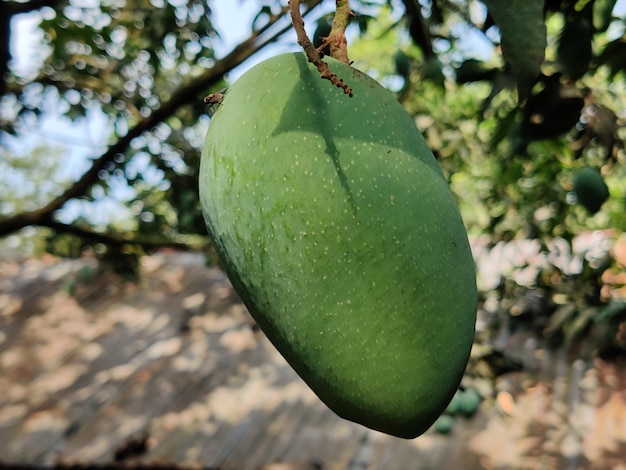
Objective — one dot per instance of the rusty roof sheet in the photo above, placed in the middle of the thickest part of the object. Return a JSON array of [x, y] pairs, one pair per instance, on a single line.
[[172, 371]]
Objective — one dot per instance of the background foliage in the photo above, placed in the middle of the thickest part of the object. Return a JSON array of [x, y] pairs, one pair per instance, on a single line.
[[515, 98]]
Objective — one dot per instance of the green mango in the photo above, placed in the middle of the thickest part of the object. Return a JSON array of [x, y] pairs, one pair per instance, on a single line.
[[444, 424], [469, 401], [339, 232], [590, 189]]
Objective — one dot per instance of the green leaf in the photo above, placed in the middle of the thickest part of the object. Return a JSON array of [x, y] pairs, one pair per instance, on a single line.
[[432, 69], [505, 127], [324, 25], [363, 22], [523, 34], [614, 56], [602, 13], [472, 70], [265, 11], [615, 311], [558, 321], [577, 327], [574, 49]]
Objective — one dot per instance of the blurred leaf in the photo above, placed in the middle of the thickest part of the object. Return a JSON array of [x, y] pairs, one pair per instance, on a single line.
[[614, 56], [418, 27], [505, 128], [523, 34], [574, 50], [124, 260], [613, 311], [472, 70], [363, 21], [264, 12], [403, 64], [602, 12], [554, 331], [501, 82], [552, 110], [579, 325], [64, 245], [436, 13], [324, 26], [432, 69], [609, 329]]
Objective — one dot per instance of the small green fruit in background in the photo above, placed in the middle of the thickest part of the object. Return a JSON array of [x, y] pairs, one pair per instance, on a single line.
[[402, 63], [590, 189], [453, 407], [469, 401], [339, 232], [444, 424]]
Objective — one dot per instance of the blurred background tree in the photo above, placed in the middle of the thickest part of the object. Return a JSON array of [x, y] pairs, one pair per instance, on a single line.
[[522, 102]]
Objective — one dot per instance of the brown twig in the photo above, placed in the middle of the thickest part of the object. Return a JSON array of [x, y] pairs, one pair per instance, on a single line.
[[309, 49], [154, 243]]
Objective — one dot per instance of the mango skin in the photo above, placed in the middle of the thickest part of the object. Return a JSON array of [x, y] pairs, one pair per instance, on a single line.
[[339, 232]]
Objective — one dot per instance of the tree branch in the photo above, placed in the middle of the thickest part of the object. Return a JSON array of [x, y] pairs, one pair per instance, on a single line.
[[192, 91], [418, 27], [313, 54], [114, 239]]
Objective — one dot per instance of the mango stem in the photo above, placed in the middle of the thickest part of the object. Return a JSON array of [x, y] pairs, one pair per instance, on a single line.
[[336, 39], [313, 54]]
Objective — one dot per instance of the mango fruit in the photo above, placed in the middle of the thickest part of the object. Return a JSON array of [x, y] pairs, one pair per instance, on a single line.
[[444, 424], [338, 230], [469, 401], [590, 189]]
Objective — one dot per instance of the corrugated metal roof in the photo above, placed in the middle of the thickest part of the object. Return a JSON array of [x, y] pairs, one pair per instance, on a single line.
[[173, 371]]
